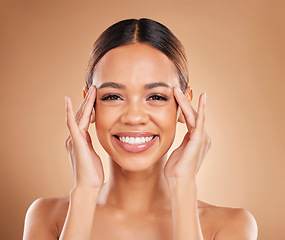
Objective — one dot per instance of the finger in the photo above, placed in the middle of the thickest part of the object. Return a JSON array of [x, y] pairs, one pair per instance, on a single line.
[[200, 122], [193, 110], [81, 107], [70, 119], [86, 99], [85, 117], [186, 108], [208, 143], [206, 147], [185, 140]]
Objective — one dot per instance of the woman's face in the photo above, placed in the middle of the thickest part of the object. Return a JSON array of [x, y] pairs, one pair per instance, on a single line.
[[135, 111]]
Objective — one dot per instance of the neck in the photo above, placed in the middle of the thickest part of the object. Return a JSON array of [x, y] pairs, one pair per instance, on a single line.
[[136, 191]]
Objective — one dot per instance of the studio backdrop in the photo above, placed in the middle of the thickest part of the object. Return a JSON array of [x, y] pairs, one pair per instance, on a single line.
[[235, 51]]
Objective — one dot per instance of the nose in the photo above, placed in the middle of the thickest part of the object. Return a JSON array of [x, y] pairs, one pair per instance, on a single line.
[[134, 114]]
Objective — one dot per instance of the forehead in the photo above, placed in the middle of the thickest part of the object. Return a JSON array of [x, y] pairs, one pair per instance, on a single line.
[[136, 64]]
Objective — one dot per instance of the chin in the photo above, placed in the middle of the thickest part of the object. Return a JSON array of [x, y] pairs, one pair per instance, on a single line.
[[138, 164]]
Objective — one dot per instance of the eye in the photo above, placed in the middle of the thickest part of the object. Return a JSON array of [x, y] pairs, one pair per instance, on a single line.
[[156, 97], [111, 97]]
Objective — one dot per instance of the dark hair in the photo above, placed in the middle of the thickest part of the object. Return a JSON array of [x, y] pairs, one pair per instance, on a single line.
[[146, 31]]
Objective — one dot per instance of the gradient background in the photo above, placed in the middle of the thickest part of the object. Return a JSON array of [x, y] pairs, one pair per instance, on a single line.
[[236, 54]]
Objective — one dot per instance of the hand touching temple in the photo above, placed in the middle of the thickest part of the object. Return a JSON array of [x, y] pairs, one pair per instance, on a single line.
[[137, 90]]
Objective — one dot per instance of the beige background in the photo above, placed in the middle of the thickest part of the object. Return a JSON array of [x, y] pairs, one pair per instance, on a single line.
[[236, 54]]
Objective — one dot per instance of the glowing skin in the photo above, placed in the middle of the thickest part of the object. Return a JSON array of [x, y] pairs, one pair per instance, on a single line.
[[136, 116], [135, 95]]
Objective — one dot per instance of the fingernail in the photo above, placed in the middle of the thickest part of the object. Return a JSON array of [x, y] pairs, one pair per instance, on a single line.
[[205, 96], [65, 99]]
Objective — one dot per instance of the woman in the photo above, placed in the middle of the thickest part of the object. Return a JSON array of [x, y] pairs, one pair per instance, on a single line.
[[137, 90]]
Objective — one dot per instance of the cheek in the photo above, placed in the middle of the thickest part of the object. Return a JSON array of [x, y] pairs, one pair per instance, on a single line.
[[166, 119], [168, 113], [100, 115], [104, 119]]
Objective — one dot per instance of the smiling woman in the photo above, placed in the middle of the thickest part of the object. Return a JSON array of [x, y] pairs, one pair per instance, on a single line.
[[137, 91]]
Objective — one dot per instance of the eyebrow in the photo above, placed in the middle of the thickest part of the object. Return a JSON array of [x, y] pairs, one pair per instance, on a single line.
[[112, 85], [156, 84], [121, 86]]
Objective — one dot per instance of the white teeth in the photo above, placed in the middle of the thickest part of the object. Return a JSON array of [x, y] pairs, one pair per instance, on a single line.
[[135, 141]]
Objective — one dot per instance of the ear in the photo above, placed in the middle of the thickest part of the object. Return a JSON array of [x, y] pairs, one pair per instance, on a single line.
[[189, 95], [92, 117], [85, 91]]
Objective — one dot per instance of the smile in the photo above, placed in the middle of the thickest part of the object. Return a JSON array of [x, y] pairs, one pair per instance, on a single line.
[[135, 141]]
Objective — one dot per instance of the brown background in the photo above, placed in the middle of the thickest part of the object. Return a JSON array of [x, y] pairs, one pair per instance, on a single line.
[[236, 54]]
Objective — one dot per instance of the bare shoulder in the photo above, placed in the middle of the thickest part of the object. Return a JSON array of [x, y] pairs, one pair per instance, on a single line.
[[230, 223], [44, 217]]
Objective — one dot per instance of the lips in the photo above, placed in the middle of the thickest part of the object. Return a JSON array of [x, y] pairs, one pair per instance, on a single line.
[[135, 141]]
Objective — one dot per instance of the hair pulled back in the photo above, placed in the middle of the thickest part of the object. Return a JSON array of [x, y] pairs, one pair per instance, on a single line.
[[144, 30]]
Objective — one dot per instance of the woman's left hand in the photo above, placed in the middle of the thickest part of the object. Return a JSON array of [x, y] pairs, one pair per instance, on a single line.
[[185, 161]]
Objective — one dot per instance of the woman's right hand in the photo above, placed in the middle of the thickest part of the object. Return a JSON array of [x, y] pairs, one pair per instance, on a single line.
[[86, 164]]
